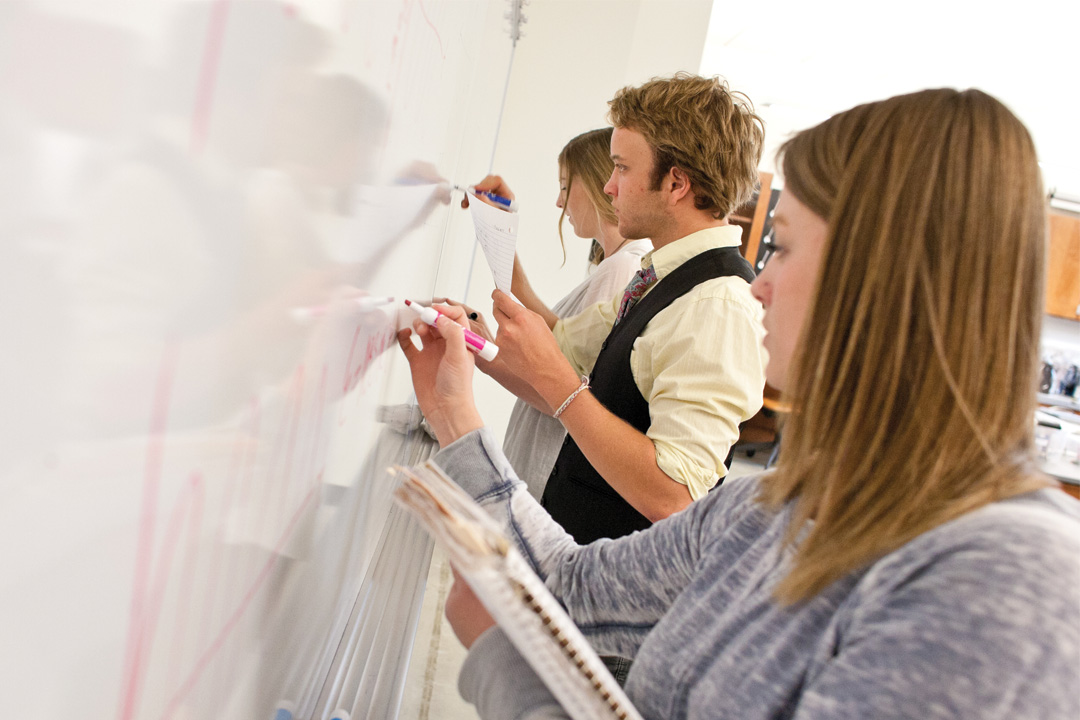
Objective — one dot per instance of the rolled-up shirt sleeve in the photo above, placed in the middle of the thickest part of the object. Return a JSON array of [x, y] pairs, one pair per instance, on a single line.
[[702, 370], [581, 335]]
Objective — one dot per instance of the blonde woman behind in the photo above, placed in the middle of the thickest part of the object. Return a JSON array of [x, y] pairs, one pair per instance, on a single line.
[[906, 559], [533, 440]]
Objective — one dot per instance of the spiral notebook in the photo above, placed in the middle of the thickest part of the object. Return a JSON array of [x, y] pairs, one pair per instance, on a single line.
[[503, 581]]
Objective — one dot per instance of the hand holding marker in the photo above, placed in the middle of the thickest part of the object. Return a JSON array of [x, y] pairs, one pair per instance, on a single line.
[[486, 350], [505, 203]]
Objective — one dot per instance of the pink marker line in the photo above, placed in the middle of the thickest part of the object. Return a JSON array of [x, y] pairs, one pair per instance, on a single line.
[[316, 446], [238, 613], [434, 29], [200, 121], [153, 468], [267, 499], [293, 419], [188, 505]]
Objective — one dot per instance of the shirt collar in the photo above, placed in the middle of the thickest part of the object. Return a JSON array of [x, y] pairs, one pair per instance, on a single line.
[[634, 247], [664, 260]]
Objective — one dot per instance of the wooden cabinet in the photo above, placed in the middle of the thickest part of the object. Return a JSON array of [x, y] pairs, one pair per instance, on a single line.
[[752, 218], [1063, 266], [1062, 261], [762, 432]]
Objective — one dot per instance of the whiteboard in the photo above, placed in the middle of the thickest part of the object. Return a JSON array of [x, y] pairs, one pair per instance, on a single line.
[[204, 206]]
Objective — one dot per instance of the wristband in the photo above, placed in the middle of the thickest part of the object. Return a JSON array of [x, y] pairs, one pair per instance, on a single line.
[[566, 403]]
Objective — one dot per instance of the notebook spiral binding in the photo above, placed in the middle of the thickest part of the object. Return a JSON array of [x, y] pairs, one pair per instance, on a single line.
[[525, 610]]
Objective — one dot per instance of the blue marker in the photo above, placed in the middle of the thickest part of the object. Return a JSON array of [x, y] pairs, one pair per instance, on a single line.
[[507, 203], [284, 711]]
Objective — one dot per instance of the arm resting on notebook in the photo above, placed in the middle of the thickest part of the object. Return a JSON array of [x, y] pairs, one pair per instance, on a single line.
[[501, 684], [467, 615]]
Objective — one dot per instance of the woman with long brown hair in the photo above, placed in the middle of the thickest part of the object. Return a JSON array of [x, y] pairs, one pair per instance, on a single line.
[[905, 559]]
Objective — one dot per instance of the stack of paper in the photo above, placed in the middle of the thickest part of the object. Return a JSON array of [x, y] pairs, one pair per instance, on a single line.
[[496, 231]]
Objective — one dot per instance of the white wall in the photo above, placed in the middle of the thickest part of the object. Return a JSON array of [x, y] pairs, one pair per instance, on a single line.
[[1060, 334], [575, 55], [811, 60]]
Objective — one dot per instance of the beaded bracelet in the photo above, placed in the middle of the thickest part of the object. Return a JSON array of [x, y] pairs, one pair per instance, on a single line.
[[566, 403]]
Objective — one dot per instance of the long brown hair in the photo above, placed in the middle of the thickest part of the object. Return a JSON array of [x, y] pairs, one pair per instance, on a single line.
[[914, 390], [587, 159]]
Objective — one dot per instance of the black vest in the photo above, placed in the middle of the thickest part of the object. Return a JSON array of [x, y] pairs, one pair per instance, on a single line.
[[576, 496]]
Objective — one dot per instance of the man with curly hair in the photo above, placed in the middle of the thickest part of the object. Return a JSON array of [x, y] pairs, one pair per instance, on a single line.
[[675, 363]]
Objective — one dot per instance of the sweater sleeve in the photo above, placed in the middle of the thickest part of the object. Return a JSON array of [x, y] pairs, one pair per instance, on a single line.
[[643, 572], [498, 681], [969, 620]]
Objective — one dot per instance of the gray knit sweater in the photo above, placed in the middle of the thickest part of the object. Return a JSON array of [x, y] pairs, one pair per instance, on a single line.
[[978, 618]]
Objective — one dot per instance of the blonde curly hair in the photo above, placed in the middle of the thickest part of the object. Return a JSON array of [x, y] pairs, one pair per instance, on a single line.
[[700, 126]]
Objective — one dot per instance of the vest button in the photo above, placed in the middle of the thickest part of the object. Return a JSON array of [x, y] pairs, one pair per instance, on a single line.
[[603, 345]]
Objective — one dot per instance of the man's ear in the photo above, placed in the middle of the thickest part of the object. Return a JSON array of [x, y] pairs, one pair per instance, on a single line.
[[678, 183]]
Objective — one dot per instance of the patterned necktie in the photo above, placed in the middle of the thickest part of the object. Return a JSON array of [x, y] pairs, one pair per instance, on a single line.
[[637, 287]]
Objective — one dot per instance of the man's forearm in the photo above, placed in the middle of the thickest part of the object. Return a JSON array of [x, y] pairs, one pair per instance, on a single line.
[[515, 384], [624, 457]]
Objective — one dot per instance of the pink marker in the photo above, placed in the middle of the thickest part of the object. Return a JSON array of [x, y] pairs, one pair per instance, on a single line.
[[480, 346]]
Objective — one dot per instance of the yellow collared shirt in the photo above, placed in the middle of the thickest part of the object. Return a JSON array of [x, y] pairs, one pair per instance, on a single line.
[[699, 362]]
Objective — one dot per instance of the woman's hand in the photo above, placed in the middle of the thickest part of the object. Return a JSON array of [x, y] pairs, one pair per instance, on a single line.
[[442, 374], [467, 615], [476, 319], [493, 184]]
